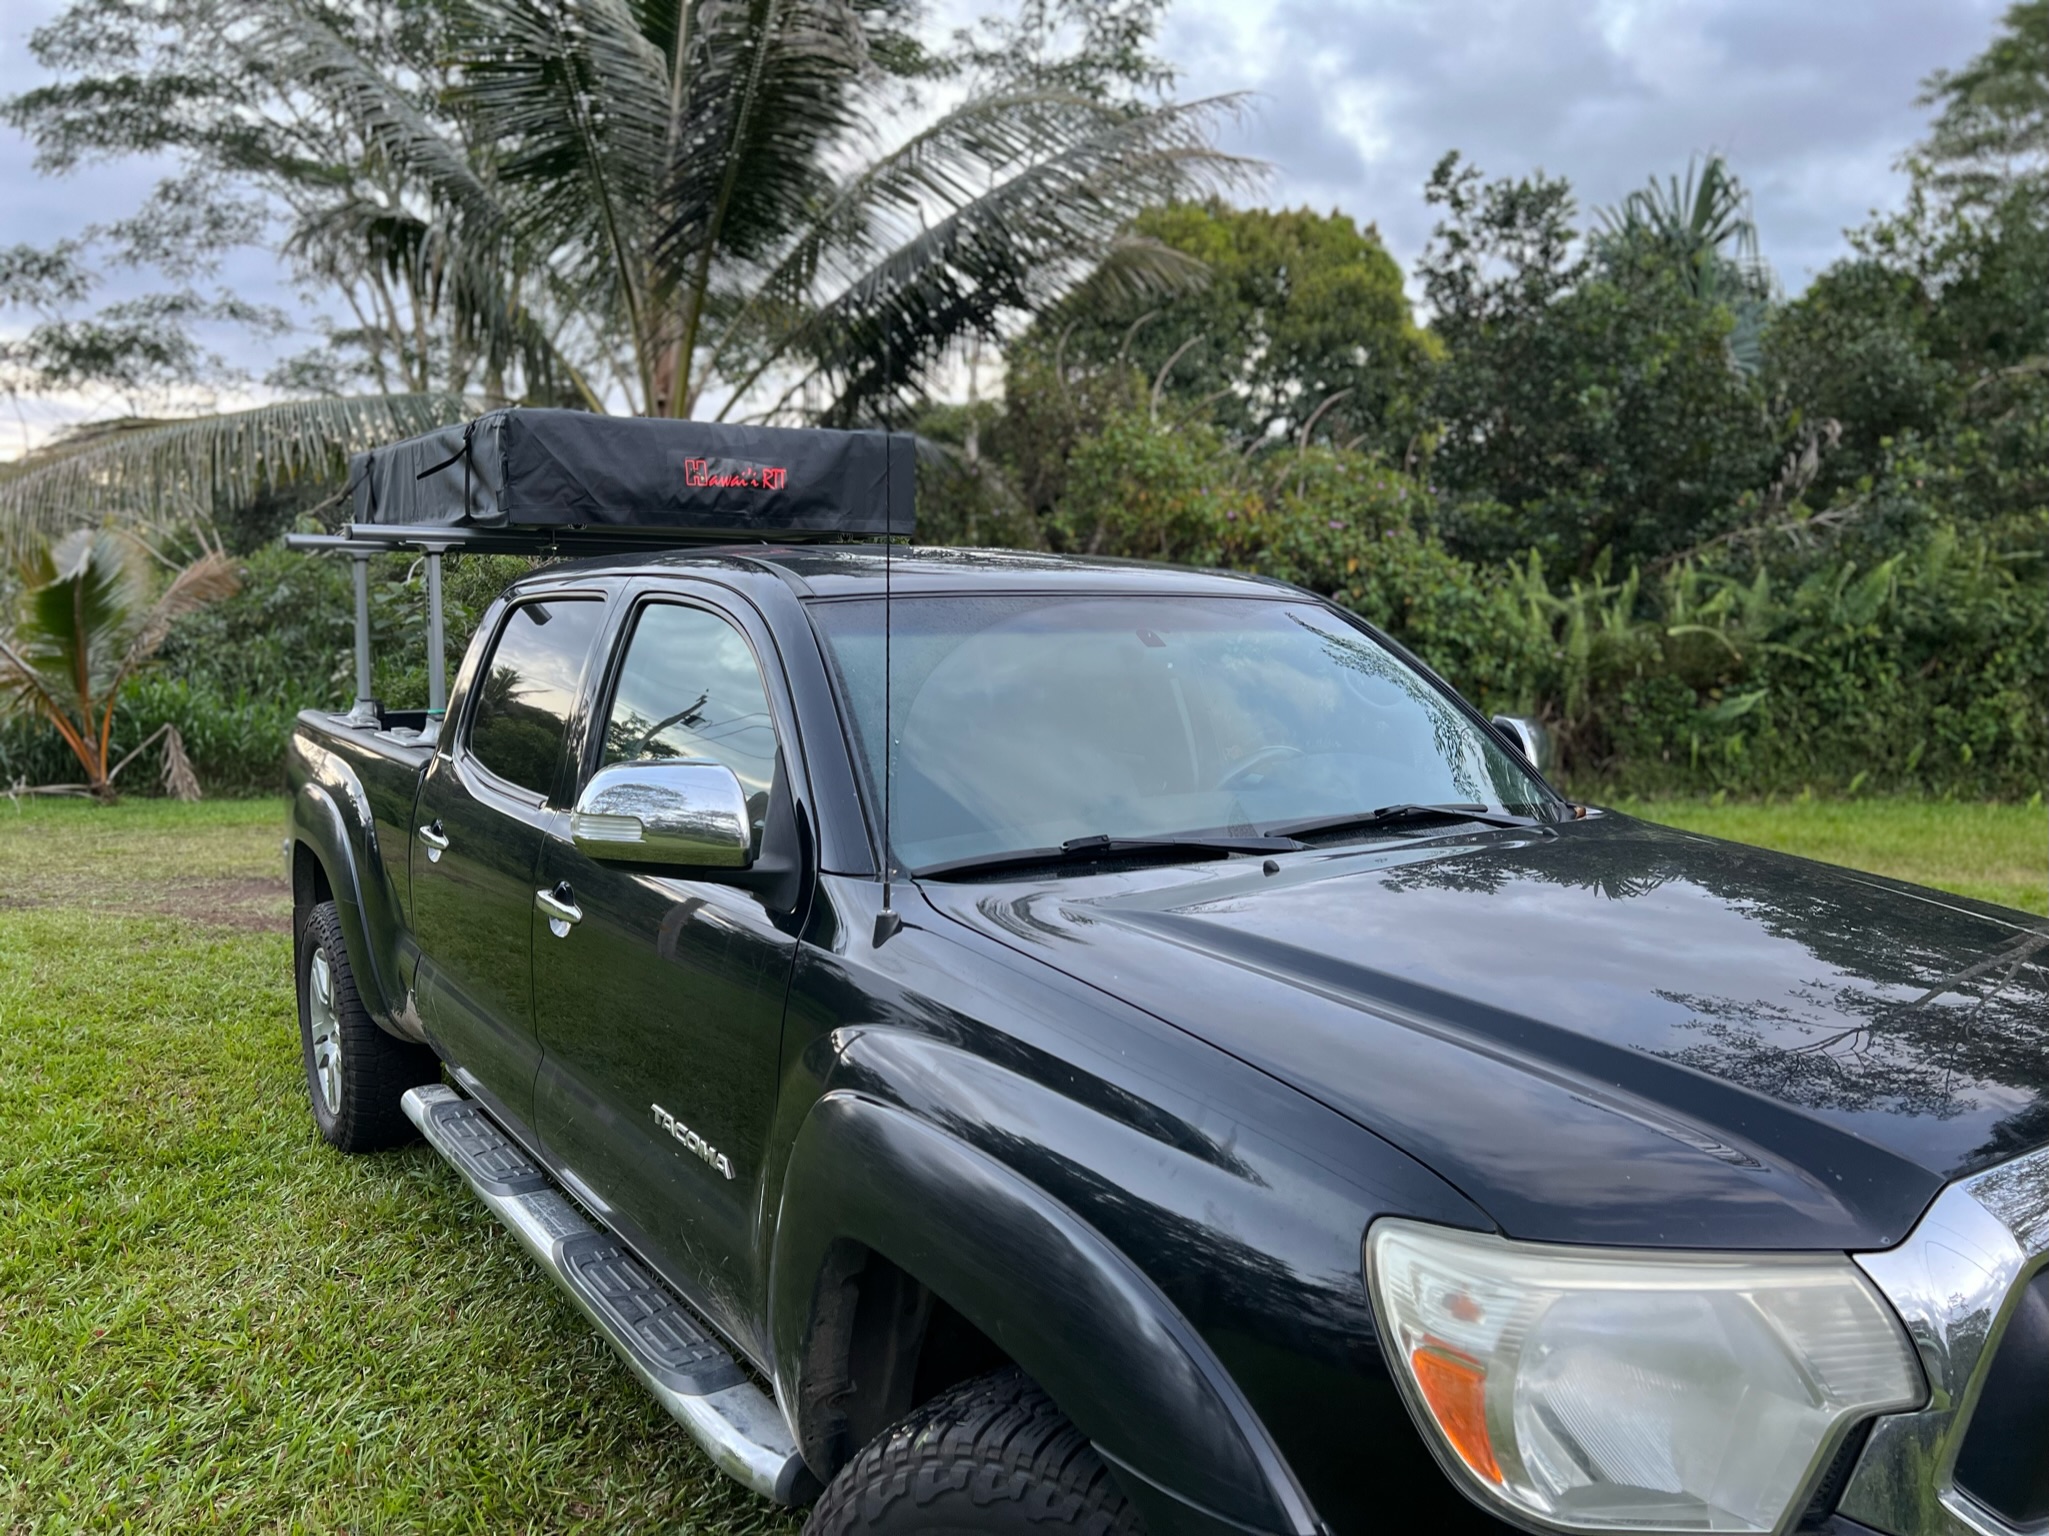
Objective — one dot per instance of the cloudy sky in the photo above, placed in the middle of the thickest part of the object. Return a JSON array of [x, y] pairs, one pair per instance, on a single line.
[[1812, 101], [1354, 100]]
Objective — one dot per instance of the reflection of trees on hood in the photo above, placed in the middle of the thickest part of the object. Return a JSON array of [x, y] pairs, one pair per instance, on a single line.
[[1906, 1009], [1503, 861], [1978, 1026]]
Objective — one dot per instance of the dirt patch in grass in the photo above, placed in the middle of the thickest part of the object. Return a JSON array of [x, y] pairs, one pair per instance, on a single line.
[[248, 904], [218, 865]]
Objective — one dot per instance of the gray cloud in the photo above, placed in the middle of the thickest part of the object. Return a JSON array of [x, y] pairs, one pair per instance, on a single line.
[[1812, 103]]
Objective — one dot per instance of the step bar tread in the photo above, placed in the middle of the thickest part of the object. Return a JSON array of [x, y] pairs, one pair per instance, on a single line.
[[676, 1357], [639, 1304], [481, 1152]]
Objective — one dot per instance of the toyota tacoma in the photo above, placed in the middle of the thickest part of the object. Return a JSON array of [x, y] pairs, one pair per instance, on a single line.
[[1000, 1042]]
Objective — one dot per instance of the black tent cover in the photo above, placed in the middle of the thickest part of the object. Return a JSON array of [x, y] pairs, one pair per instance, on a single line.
[[517, 469]]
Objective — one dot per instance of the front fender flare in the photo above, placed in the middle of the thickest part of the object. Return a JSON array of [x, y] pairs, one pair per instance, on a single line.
[[1073, 1312]]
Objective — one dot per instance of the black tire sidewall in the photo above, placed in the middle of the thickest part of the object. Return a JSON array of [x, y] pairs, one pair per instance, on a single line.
[[321, 933], [376, 1068]]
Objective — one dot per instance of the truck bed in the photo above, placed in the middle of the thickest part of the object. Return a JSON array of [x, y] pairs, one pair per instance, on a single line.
[[386, 761]]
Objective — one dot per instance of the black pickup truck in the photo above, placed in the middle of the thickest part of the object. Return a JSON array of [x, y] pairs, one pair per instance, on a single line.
[[1006, 1043]]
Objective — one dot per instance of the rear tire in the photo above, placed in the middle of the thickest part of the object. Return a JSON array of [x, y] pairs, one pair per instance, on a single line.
[[992, 1456], [355, 1072]]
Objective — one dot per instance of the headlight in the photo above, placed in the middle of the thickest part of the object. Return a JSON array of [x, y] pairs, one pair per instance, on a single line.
[[1597, 1389]]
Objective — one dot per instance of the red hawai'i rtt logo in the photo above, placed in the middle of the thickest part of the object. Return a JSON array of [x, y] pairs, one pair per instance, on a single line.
[[736, 473]]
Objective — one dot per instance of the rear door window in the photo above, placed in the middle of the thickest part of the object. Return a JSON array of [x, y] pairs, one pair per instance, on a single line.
[[520, 716]]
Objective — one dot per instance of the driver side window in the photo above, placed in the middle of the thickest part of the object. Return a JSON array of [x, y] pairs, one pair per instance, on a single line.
[[689, 687]]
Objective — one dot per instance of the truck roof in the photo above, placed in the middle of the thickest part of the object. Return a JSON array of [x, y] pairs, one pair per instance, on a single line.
[[853, 570]]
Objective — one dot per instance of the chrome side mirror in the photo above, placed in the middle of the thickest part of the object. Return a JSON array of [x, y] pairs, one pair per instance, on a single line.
[[687, 811], [1528, 737]]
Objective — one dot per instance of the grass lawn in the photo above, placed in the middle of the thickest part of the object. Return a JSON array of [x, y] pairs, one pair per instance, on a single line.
[[1993, 852], [210, 1321]]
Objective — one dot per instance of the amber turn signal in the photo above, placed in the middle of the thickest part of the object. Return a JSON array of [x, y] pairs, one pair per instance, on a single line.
[[1455, 1387]]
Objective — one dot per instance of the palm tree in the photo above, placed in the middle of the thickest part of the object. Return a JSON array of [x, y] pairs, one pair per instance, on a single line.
[[93, 610], [686, 207], [1700, 230]]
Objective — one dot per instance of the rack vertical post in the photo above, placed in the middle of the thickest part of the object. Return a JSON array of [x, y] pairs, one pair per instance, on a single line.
[[364, 711]]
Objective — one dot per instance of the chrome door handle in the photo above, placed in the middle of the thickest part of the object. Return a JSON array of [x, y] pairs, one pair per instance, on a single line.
[[559, 908], [435, 839]]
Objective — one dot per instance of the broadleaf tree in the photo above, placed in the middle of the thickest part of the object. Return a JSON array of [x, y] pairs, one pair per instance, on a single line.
[[1301, 325]]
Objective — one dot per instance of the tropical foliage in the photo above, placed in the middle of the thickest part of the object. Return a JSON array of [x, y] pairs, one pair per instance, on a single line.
[[1718, 538], [94, 608], [1700, 233], [141, 471], [1301, 328]]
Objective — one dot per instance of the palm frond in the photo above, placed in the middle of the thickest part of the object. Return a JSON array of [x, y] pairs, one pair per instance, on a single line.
[[1012, 246], [80, 598], [472, 287], [1701, 226], [574, 98], [1700, 230], [22, 688], [766, 88], [1136, 268], [308, 49], [208, 579], [944, 165], [170, 471]]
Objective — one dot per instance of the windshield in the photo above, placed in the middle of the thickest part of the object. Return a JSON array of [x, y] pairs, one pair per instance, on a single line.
[[1025, 722]]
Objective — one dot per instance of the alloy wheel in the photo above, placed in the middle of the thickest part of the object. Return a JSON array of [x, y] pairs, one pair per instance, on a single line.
[[325, 1022]]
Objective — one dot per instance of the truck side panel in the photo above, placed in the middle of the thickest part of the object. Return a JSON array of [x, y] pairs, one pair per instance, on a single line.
[[352, 802]]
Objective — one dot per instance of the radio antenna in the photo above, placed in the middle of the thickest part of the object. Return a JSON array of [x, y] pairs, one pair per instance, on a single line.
[[886, 921]]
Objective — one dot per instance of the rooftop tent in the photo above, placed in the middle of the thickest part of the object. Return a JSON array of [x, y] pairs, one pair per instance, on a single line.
[[545, 471], [571, 483]]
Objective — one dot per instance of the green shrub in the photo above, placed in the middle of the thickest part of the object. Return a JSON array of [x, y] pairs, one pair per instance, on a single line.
[[1923, 673], [1909, 653], [236, 745], [1826, 666]]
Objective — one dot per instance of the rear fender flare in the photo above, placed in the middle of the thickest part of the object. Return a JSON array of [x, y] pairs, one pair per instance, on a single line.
[[324, 829], [1048, 1289]]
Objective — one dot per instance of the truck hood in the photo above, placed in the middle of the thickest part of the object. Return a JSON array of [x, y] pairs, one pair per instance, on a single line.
[[1603, 1032]]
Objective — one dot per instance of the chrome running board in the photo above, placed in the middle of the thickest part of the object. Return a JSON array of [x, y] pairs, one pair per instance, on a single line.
[[676, 1357]]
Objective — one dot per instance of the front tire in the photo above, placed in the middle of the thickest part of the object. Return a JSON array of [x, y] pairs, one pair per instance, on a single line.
[[355, 1072], [992, 1456]]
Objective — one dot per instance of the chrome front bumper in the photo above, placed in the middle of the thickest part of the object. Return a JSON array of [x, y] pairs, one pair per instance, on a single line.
[[1955, 1282]]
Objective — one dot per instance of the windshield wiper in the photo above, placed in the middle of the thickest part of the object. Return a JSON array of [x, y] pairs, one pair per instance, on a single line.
[[1089, 850], [1395, 815]]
